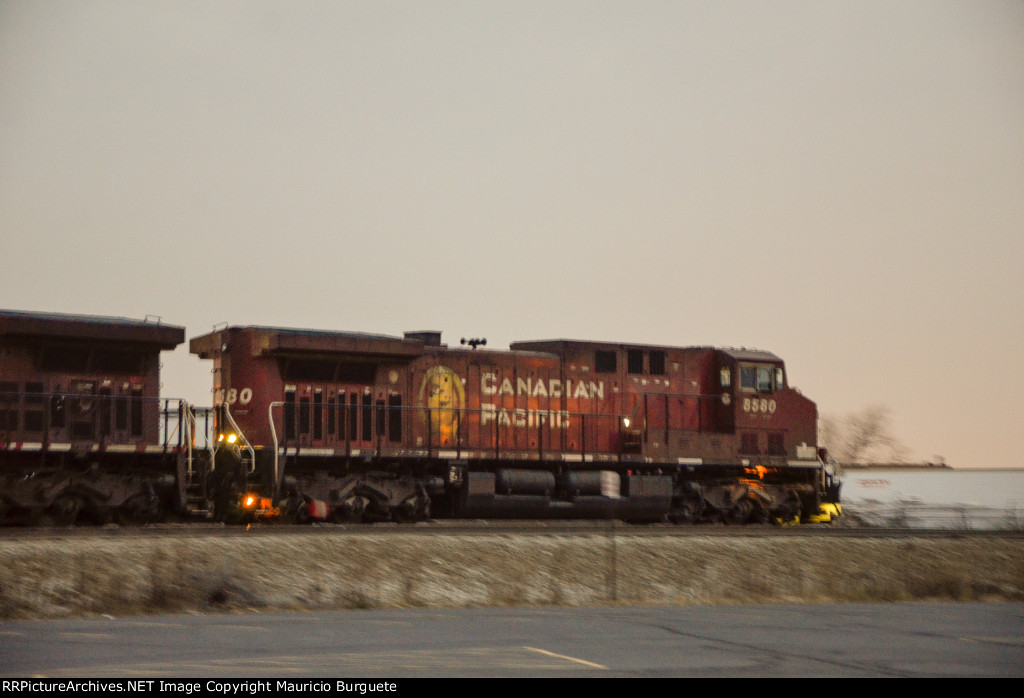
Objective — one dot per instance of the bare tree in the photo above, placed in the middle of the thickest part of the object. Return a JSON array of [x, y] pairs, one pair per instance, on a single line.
[[861, 437]]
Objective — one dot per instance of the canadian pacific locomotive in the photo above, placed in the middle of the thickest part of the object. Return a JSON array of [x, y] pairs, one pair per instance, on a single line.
[[342, 426], [80, 419]]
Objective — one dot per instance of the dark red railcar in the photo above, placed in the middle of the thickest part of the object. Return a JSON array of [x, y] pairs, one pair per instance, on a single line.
[[83, 432], [353, 426]]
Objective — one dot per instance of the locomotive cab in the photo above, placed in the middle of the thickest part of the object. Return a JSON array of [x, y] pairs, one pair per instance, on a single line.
[[774, 435], [773, 424]]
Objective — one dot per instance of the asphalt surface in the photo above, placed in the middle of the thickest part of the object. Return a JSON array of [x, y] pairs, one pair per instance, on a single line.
[[848, 640]]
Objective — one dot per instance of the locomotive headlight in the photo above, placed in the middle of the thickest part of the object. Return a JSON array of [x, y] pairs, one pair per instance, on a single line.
[[625, 422], [232, 438], [249, 501]]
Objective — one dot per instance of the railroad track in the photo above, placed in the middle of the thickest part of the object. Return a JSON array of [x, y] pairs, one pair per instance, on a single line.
[[479, 527]]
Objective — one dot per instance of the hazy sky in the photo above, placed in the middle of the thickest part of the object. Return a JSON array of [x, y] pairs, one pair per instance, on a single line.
[[841, 183]]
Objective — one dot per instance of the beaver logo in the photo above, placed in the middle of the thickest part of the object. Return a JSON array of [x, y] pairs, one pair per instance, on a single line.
[[444, 396]]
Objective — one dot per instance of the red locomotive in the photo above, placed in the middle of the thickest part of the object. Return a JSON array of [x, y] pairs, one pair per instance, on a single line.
[[83, 431], [345, 426], [352, 427]]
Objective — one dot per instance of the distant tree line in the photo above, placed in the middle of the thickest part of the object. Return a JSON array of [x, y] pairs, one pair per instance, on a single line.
[[861, 437]]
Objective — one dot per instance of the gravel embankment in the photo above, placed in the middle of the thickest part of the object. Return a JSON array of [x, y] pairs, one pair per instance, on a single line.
[[121, 575]]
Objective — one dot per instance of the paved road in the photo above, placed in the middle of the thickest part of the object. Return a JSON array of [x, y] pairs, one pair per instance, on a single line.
[[919, 639]]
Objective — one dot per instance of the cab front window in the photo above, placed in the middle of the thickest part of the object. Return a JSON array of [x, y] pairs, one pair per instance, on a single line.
[[760, 379]]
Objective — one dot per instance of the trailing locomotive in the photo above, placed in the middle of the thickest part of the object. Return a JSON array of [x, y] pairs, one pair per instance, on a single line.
[[343, 426], [84, 434]]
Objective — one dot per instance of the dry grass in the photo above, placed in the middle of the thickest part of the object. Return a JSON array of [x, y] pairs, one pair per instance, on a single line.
[[88, 576]]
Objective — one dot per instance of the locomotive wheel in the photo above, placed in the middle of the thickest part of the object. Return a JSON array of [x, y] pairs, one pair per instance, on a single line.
[[65, 509], [415, 508], [138, 510], [690, 512], [739, 513], [291, 509], [41, 520], [789, 510], [758, 512], [351, 511]]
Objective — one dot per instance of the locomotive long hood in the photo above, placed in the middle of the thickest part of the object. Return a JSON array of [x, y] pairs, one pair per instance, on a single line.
[[276, 341], [59, 326]]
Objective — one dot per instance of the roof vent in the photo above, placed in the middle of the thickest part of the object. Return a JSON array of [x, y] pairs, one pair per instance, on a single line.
[[430, 338]]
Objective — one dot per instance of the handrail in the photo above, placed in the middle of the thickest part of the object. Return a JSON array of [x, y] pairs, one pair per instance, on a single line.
[[273, 435], [474, 429], [234, 425], [188, 431]]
